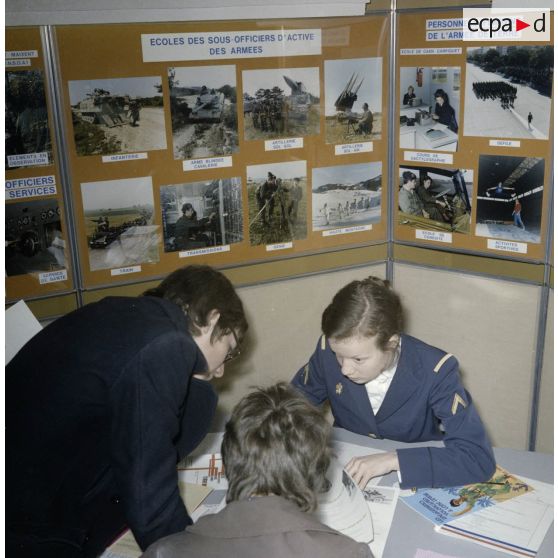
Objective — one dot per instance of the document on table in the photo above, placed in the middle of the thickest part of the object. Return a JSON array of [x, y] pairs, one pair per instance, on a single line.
[[382, 501], [345, 452], [517, 526]]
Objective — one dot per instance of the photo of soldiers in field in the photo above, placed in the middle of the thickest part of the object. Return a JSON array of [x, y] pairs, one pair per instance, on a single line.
[[26, 126], [122, 115], [203, 111], [119, 223], [277, 202], [353, 100], [346, 195], [201, 214], [281, 103]]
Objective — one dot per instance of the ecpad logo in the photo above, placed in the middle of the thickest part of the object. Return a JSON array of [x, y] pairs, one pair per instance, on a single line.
[[526, 24]]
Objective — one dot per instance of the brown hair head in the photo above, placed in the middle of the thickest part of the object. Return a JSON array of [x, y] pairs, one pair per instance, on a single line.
[[276, 443], [364, 308]]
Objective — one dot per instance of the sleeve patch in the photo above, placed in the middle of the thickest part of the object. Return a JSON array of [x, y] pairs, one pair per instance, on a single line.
[[323, 343], [457, 400], [441, 362]]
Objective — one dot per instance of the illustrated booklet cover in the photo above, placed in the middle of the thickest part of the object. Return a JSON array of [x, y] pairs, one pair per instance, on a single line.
[[441, 505]]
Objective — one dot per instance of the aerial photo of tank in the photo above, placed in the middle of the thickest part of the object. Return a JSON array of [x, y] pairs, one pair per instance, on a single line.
[[100, 107]]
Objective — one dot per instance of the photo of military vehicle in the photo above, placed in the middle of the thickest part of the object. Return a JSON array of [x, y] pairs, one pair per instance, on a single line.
[[270, 111], [100, 107]]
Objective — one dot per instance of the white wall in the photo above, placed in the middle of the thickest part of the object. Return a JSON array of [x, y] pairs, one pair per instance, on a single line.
[[545, 423]]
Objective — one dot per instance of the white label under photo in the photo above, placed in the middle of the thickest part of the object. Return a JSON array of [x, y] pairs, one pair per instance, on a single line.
[[279, 246], [15, 54], [507, 246], [435, 236], [285, 143], [18, 63], [347, 230], [426, 157], [430, 51], [504, 143], [53, 276], [349, 148], [28, 159], [203, 164], [125, 270], [123, 157], [203, 251]]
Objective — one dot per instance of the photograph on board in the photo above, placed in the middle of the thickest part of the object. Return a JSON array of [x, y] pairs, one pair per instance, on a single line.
[[119, 115], [436, 199], [34, 242], [429, 101], [508, 91], [276, 202], [203, 111], [201, 214], [346, 195], [510, 198], [119, 223], [353, 100], [281, 103], [26, 127]]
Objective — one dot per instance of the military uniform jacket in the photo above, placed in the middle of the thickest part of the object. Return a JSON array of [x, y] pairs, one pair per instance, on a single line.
[[264, 527], [425, 392], [100, 405]]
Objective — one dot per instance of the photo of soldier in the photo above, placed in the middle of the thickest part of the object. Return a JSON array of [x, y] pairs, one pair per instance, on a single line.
[[346, 196], [512, 208], [281, 103], [505, 85], [197, 215], [433, 198], [26, 118], [353, 99], [120, 115], [119, 223], [203, 111], [277, 202], [34, 242]]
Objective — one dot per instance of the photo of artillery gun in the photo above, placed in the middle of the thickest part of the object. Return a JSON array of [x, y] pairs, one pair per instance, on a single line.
[[346, 100]]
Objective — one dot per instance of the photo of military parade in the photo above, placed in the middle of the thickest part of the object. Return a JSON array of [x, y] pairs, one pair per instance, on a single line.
[[436, 199], [119, 223], [26, 125], [33, 237], [510, 198], [429, 107], [508, 91], [201, 214], [281, 103], [353, 100], [122, 115], [203, 111], [276, 202], [346, 195]]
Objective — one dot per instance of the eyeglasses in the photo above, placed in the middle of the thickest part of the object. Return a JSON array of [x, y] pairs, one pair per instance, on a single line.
[[233, 353]]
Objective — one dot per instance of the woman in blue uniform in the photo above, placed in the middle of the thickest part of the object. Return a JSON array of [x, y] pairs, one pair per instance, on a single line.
[[383, 383]]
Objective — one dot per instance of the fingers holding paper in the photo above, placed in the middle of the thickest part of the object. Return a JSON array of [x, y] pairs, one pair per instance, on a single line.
[[366, 467]]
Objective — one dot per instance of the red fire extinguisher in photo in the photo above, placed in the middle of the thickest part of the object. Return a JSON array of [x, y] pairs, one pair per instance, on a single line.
[[419, 77]]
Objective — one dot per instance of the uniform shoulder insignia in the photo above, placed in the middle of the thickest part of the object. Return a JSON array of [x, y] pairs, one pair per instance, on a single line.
[[305, 372], [323, 343], [441, 362], [457, 400]]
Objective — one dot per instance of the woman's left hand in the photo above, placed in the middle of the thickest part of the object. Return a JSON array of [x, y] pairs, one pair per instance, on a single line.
[[364, 468]]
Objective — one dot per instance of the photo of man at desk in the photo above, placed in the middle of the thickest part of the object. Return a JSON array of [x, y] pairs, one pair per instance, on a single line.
[[429, 109]]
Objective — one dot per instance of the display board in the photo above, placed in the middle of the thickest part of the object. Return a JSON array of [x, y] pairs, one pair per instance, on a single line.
[[223, 142], [36, 253], [473, 155]]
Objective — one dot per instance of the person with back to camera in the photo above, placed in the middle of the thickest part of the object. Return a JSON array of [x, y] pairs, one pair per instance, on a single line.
[[383, 383], [444, 113], [275, 452], [103, 403]]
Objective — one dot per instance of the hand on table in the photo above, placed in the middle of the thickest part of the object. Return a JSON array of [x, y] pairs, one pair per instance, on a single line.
[[364, 468]]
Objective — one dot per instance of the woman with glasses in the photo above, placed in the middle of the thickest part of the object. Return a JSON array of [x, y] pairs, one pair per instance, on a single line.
[[102, 403]]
